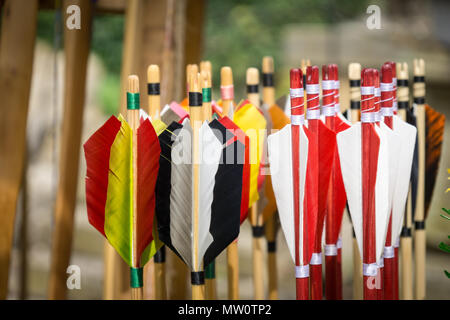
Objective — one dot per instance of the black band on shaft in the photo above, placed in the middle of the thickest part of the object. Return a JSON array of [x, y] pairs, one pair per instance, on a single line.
[[160, 255], [419, 79], [355, 105], [195, 99], [406, 232], [304, 82], [419, 100], [420, 225], [355, 83], [252, 88], [402, 83], [153, 89], [258, 231], [271, 246], [198, 278], [403, 104], [267, 79]]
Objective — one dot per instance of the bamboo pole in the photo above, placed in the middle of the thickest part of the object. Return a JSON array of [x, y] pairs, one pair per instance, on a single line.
[[16, 62], [354, 74], [255, 217], [271, 225], [76, 49], [419, 232]]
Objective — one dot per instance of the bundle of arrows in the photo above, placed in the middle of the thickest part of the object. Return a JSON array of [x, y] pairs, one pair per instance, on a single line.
[[186, 176]]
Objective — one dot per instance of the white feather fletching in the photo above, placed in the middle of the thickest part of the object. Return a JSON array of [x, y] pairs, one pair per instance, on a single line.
[[210, 154], [280, 158], [181, 197], [349, 148], [407, 134], [393, 140], [382, 193]]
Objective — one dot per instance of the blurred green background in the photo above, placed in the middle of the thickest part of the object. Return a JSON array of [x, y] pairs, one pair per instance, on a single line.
[[238, 33]]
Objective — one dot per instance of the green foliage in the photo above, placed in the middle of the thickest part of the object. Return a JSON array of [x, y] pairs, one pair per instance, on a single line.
[[110, 94]]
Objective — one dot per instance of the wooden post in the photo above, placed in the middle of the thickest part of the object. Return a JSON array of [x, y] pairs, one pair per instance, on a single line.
[[76, 49], [18, 32]]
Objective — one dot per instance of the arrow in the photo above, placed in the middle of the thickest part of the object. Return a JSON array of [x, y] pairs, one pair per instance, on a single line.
[[363, 156], [154, 102], [278, 120], [404, 152], [122, 158], [405, 235], [227, 96], [429, 139], [336, 192], [289, 150], [324, 140], [354, 75], [250, 119], [196, 176]]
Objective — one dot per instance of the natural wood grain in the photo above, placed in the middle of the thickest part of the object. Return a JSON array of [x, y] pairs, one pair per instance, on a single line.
[[16, 62], [76, 51]]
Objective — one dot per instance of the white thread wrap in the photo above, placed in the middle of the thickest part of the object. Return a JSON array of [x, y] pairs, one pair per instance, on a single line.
[[380, 262], [389, 252], [377, 92], [297, 120], [302, 271], [370, 270], [337, 107], [328, 111], [366, 91], [296, 92], [312, 89], [386, 87], [387, 112], [313, 114], [337, 84], [378, 117], [316, 259], [327, 84], [330, 250], [369, 117], [339, 243]]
